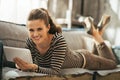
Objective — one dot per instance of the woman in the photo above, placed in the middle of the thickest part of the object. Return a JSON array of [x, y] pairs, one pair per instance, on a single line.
[[50, 52]]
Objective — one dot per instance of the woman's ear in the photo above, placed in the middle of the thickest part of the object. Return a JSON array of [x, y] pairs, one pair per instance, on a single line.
[[48, 27]]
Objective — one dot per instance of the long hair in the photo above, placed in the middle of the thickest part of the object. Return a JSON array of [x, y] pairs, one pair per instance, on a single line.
[[43, 14]]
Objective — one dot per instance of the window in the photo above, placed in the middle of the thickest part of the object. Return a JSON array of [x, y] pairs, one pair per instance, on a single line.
[[17, 10]]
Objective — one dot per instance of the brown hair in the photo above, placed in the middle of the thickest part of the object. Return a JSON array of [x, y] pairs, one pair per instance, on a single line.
[[43, 14]]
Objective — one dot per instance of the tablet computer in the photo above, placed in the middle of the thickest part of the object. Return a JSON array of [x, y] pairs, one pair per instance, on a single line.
[[22, 53]]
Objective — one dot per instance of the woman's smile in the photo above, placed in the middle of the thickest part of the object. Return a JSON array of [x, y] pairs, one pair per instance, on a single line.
[[37, 38]]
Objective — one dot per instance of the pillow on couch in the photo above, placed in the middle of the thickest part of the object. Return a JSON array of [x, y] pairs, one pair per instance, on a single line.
[[12, 34]]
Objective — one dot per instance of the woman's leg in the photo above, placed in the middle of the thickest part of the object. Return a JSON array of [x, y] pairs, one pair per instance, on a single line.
[[97, 62], [104, 51], [105, 59], [101, 50], [107, 52], [94, 50]]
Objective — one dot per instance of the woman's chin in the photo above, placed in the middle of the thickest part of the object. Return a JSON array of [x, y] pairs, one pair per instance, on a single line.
[[37, 41]]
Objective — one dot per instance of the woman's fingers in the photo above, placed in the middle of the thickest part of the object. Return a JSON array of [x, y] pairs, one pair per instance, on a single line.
[[22, 64], [20, 60]]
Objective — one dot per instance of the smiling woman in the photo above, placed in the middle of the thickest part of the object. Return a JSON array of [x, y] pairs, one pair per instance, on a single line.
[[50, 52]]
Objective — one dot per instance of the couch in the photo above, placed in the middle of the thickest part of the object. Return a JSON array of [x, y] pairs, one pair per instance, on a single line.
[[14, 35]]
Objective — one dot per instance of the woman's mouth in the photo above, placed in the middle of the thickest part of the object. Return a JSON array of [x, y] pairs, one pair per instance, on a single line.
[[37, 38]]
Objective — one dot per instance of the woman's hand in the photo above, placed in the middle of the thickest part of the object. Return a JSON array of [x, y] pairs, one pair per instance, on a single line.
[[24, 66]]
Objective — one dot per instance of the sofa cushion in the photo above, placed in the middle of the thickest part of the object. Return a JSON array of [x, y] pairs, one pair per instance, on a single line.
[[78, 40], [12, 34]]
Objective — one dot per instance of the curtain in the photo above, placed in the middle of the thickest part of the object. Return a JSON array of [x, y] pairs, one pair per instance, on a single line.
[[17, 10], [113, 33], [115, 7]]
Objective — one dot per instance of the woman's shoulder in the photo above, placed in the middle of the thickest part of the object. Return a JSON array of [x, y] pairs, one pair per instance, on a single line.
[[59, 42], [29, 42], [59, 36]]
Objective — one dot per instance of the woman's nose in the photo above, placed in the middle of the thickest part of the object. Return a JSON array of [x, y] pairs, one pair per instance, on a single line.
[[35, 33]]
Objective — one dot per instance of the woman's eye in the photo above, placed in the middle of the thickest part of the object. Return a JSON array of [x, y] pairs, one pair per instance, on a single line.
[[31, 30], [39, 29]]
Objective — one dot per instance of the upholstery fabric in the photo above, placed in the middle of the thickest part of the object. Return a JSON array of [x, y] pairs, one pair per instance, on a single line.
[[12, 34]]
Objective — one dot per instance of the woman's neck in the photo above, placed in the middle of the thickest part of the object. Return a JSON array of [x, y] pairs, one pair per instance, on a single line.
[[46, 42], [46, 45]]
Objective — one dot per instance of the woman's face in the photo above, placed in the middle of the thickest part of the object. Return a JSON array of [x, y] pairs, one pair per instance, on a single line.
[[38, 31]]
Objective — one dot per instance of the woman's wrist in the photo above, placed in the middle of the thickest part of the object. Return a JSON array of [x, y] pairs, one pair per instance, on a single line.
[[35, 68]]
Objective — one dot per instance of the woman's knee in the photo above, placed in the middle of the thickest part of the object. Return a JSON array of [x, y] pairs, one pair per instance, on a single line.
[[99, 62]]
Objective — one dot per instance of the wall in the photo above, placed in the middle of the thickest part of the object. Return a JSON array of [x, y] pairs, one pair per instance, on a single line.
[[113, 30]]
